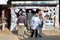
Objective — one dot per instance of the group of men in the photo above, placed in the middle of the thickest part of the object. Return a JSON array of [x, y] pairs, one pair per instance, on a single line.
[[34, 22]]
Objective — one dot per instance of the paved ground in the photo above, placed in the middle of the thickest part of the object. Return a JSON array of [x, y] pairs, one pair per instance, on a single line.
[[47, 35]]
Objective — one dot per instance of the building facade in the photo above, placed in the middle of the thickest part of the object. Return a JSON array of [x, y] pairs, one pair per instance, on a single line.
[[51, 7]]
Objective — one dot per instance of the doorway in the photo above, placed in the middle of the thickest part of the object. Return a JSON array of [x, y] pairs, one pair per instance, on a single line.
[[45, 10], [6, 16]]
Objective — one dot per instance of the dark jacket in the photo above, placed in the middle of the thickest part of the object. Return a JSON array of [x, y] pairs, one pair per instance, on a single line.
[[41, 25], [29, 16], [21, 19]]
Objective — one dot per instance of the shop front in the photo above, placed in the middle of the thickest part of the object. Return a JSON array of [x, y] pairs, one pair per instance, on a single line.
[[48, 9]]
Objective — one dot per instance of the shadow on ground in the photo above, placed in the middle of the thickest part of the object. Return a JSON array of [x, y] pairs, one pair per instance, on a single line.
[[45, 37]]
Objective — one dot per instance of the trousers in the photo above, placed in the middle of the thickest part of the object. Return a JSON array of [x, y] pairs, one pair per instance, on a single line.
[[21, 29], [40, 31], [36, 33]]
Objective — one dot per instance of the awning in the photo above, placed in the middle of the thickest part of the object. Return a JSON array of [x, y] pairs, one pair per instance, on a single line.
[[34, 2]]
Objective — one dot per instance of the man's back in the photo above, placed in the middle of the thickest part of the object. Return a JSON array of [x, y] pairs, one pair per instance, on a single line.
[[21, 19]]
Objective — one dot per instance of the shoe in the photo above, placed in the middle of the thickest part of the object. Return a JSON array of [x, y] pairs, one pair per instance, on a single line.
[[28, 31], [40, 36], [20, 37], [31, 36]]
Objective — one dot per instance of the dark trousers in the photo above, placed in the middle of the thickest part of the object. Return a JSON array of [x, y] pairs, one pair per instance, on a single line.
[[34, 31], [9, 24]]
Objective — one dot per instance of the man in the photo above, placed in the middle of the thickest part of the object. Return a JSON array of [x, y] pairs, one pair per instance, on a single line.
[[35, 23], [21, 26], [3, 20], [29, 17], [41, 25]]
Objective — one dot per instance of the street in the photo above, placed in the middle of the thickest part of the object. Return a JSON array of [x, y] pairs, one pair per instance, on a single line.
[[47, 35]]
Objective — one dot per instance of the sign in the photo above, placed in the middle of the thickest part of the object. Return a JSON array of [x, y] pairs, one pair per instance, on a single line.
[[49, 23], [3, 2], [34, 2]]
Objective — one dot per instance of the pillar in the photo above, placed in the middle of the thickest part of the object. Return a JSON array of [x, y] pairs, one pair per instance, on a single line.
[[57, 16]]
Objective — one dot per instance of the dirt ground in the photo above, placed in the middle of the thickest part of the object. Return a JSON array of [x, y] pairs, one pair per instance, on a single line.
[[47, 35]]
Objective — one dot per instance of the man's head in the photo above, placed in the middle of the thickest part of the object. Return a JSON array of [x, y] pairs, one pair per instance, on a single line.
[[37, 14], [29, 11], [40, 15], [3, 11]]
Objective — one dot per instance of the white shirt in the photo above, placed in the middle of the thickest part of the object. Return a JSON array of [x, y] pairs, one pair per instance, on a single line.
[[35, 23]]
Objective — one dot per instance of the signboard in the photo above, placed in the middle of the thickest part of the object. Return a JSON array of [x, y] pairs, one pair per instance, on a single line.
[[3, 2], [49, 23], [34, 2]]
